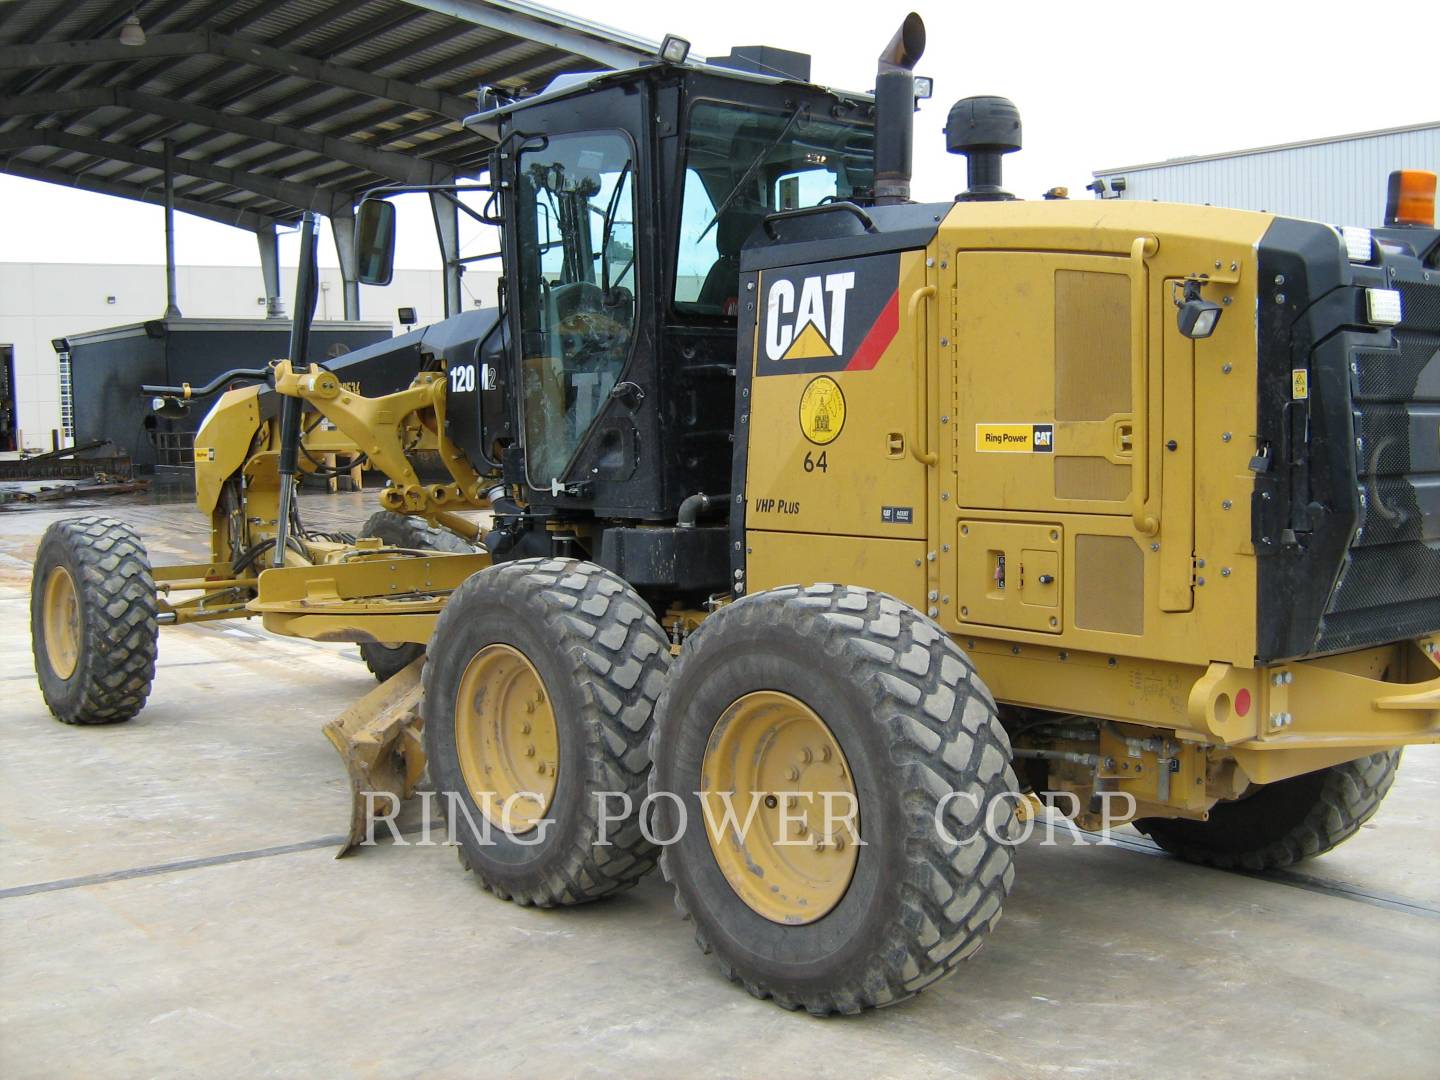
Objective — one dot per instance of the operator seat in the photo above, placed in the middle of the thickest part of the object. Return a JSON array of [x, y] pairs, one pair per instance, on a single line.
[[720, 294]]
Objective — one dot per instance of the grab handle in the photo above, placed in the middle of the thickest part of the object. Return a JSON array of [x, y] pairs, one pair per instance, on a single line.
[[918, 437], [1145, 522]]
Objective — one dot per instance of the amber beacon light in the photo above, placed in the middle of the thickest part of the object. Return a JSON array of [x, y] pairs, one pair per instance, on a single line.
[[1411, 200]]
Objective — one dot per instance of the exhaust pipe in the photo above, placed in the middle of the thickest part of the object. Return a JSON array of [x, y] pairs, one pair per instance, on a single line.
[[895, 111]]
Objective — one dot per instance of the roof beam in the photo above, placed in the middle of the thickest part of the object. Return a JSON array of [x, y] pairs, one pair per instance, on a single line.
[[404, 168], [97, 30], [244, 51], [304, 196], [529, 22], [155, 193]]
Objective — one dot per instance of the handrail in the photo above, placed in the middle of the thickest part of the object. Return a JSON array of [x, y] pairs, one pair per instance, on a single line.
[[1145, 522], [186, 392], [918, 297], [811, 211]]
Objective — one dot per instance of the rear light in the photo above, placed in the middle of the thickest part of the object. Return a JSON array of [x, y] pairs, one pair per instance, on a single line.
[[1411, 200], [1359, 247], [1383, 306]]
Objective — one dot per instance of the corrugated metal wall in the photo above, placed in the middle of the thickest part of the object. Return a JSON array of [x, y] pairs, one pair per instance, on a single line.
[[1341, 182]]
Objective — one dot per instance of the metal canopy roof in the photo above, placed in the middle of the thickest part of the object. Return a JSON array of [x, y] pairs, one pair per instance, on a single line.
[[270, 107]]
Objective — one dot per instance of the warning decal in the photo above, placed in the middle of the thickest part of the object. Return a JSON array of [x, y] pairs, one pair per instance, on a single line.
[[822, 410], [1015, 438]]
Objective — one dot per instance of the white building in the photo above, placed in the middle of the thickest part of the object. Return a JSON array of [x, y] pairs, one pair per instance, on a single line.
[[1341, 180], [40, 302]]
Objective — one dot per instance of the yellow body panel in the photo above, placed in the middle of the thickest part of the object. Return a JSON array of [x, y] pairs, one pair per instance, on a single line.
[[867, 464], [1076, 474], [223, 442], [891, 566]]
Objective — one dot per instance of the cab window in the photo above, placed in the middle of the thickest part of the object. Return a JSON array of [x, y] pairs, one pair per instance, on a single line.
[[743, 163], [575, 208]]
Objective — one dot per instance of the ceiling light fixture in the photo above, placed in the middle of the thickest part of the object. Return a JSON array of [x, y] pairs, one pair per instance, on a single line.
[[131, 32]]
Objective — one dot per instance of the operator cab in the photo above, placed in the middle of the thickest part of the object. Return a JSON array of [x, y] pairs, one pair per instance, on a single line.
[[626, 198], [602, 392]]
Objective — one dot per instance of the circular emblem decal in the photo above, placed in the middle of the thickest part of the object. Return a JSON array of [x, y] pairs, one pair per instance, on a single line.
[[822, 410]]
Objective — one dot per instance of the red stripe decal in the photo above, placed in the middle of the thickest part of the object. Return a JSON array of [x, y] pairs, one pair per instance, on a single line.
[[881, 334]]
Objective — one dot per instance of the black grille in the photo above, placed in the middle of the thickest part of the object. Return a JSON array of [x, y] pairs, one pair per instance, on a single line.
[[1389, 582]]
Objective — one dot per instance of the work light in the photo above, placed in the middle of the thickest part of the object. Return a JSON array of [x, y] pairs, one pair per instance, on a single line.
[[1197, 317], [674, 50]]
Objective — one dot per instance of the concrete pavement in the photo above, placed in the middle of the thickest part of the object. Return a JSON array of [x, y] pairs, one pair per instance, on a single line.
[[169, 906]]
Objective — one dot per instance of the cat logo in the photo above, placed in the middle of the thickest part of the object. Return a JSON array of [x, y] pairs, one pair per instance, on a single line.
[[822, 410], [817, 329], [839, 315]]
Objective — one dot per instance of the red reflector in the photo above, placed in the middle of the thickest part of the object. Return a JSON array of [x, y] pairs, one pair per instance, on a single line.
[[1242, 703]]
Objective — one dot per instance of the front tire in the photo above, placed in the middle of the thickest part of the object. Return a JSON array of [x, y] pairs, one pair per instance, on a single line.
[[416, 534], [851, 688], [540, 688], [1282, 823], [93, 628]]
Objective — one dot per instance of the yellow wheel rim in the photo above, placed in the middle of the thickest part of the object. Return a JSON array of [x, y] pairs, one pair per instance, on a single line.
[[506, 738], [62, 622], [775, 761]]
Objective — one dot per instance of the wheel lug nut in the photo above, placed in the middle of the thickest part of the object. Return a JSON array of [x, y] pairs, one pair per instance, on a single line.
[[824, 753], [525, 728], [807, 755], [791, 802], [529, 751], [801, 828], [792, 773]]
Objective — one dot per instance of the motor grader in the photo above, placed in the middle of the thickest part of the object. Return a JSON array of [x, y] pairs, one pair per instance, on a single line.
[[798, 489]]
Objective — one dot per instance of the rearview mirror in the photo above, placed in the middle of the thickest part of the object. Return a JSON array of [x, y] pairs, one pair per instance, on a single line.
[[375, 241]]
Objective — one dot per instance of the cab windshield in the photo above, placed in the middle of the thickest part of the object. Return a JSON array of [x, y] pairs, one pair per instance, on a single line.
[[575, 204], [742, 163]]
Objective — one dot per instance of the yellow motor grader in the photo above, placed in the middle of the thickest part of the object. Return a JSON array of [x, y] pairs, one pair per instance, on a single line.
[[804, 497]]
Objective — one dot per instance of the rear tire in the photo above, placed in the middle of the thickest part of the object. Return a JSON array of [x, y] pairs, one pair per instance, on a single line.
[[912, 721], [1282, 823], [576, 641], [93, 628], [403, 531]]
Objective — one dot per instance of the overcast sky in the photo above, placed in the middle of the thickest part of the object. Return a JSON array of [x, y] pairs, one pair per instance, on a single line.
[[1098, 85]]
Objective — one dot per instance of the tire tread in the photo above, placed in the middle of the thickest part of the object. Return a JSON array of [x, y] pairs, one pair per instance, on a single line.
[[118, 649], [944, 734]]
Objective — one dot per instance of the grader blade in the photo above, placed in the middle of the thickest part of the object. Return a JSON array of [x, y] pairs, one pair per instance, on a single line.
[[379, 739]]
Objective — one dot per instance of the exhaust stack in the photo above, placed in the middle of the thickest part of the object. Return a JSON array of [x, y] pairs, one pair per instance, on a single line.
[[895, 111]]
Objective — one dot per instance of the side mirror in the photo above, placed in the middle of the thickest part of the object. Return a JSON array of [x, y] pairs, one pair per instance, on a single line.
[[375, 241]]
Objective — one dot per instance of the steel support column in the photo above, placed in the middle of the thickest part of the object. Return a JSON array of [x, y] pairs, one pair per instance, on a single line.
[[172, 309], [447, 231], [269, 244], [342, 225]]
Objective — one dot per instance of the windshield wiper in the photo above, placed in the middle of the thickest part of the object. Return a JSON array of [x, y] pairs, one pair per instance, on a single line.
[[759, 159]]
